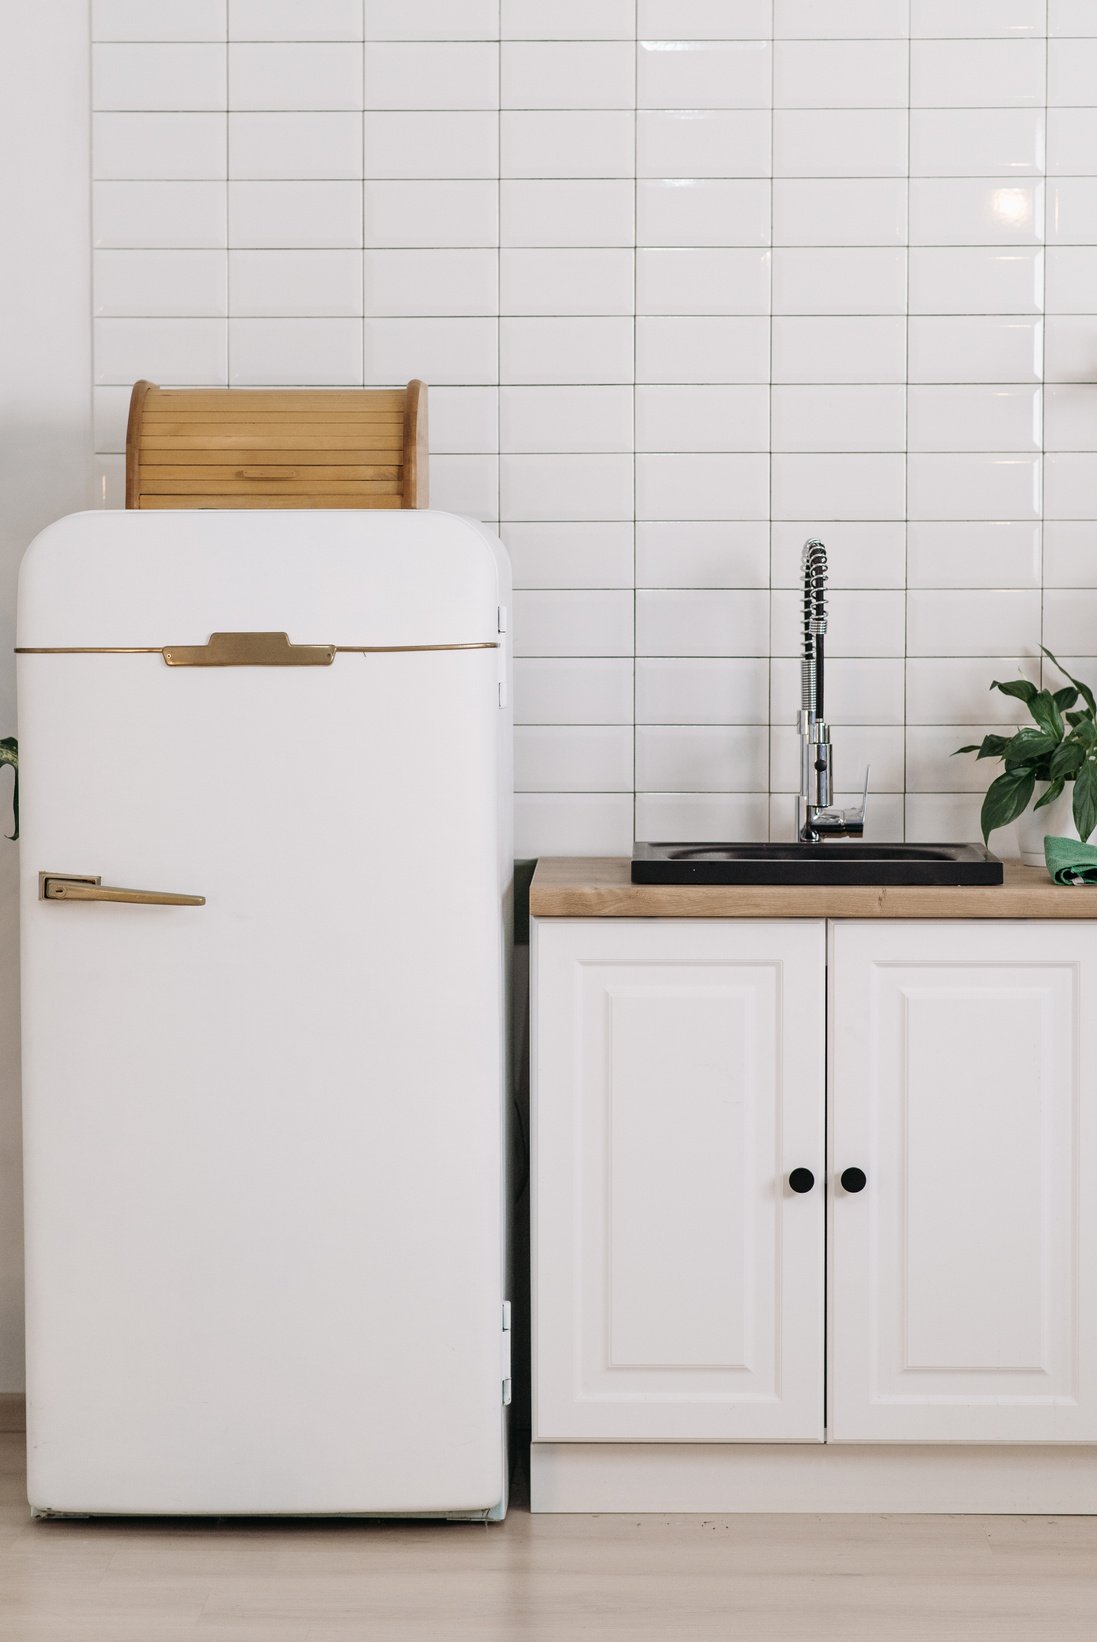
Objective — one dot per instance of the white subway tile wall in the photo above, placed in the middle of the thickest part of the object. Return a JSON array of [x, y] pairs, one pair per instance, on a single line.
[[690, 280]]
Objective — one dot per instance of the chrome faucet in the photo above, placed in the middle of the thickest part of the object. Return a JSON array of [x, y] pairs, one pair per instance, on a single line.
[[816, 818]]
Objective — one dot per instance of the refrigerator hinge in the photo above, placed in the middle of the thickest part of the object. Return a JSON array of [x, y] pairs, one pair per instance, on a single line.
[[506, 1353]]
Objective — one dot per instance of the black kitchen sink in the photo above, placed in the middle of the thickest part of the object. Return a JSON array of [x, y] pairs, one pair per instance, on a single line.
[[835, 861]]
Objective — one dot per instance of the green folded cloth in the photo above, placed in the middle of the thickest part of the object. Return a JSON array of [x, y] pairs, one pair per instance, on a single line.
[[1070, 862]]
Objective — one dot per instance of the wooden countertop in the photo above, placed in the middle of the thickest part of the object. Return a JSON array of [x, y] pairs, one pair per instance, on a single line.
[[599, 887]]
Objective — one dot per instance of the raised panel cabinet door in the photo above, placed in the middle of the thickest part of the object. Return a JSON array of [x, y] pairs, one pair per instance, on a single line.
[[963, 1274], [678, 1278]]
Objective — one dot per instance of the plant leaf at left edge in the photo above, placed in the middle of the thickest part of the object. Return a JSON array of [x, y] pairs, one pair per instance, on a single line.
[[9, 754]]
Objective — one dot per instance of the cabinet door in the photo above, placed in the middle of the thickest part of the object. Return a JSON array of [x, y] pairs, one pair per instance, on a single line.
[[963, 1277], [678, 1280]]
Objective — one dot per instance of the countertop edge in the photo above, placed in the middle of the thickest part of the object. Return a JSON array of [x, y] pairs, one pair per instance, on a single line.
[[600, 887]]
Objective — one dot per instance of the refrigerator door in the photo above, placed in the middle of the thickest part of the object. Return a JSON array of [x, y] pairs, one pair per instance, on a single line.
[[263, 1134]]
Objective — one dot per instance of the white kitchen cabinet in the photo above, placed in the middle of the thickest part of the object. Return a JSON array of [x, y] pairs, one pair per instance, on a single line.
[[679, 1282], [678, 1279], [962, 1301]]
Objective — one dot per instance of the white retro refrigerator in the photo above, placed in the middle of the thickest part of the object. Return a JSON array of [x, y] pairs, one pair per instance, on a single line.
[[265, 919]]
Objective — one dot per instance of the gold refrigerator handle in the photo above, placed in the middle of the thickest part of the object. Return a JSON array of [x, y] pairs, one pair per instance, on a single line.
[[67, 886]]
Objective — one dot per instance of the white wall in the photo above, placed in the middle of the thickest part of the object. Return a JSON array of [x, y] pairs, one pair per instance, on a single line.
[[689, 279], [45, 444]]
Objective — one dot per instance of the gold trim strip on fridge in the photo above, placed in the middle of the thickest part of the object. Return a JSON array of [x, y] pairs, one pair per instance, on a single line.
[[247, 650]]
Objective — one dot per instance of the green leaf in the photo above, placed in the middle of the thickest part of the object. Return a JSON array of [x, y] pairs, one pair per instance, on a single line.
[[1050, 795], [1085, 732], [1067, 760], [1028, 746], [1065, 698], [1044, 711], [1083, 689], [1085, 799], [1006, 798], [1019, 687], [9, 754], [991, 746]]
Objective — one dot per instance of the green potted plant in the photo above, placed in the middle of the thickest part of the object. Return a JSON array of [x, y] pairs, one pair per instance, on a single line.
[[1053, 759], [9, 754]]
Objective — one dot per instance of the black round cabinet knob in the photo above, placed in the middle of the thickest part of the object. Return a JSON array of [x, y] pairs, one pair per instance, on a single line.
[[853, 1180], [801, 1180]]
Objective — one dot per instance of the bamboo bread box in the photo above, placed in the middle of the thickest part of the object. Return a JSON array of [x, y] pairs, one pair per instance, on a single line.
[[276, 447]]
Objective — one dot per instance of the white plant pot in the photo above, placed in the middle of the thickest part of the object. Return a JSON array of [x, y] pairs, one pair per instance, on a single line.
[[1055, 820]]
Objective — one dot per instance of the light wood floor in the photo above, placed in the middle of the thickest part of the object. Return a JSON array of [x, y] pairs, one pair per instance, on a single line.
[[546, 1579]]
